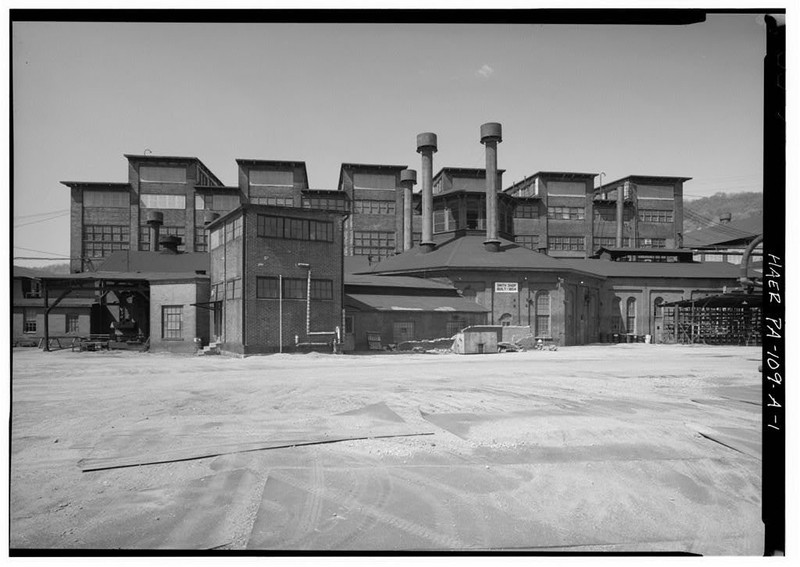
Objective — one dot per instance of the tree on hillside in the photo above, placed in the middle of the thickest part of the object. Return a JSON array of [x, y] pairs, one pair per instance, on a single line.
[[707, 210]]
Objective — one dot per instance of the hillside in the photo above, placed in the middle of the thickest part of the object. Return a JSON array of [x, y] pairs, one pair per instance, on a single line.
[[707, 210], [51, 269]]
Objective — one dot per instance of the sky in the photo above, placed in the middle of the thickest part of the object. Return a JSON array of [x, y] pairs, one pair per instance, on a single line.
[[621, 100]]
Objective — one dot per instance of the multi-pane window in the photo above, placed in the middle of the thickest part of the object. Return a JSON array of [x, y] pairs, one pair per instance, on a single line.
[[172, 322], [565, 243], [324, 203], [454, 327], [294, 288], [321, 289], [274, 201], [630, 315], [233, 289], [162, 174], [223, 203], [604, 242], [31, 289], [267, 287], [526, 211], [295, 229], [445, 216], [527, 240], [72, 323], [145, 232], [200, 239], [162, 201], [101, 240], [373, 243], [543, 314], [416, 237], [655, 215], [373, 207], [653, 242], [476, 214], [609, 214], [106, 199], [566, 213], [28, 320], [217, 291]]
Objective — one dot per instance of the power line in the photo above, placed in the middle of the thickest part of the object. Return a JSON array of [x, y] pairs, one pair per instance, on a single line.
[[40, 214], [44, 252], [41, 220]]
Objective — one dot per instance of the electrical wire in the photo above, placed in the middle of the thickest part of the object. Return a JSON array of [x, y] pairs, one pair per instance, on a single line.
[[41, 220], [41, 214], [43, 252]]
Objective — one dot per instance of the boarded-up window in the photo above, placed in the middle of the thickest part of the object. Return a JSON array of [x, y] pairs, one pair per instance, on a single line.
[[114, 199], [162, 174], [165, 201], [263, 177], [374, 181]]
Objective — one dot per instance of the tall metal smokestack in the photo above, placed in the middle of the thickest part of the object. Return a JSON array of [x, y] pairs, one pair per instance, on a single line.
[[408, 178], [154, 220], [491, 135], [427, 146], [620, 210]]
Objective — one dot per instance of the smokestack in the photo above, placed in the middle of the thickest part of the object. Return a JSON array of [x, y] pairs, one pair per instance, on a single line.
[[725, 218], [169, 244], [491, 135], [620, 209], [408, 178], [154, 220], [427, 146]]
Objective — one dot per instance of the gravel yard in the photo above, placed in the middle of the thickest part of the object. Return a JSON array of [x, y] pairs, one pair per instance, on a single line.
[[628, 447]]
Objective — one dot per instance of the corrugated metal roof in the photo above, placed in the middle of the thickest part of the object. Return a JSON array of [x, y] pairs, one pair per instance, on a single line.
[[139, 261], [413, 303], [607, 268], [468, 252], [375, 280], [742, 229]]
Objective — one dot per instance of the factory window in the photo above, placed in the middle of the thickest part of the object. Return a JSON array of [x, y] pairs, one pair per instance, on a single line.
[[216, 292], [658, 307], [322, 289], [604, 242], [630, 315], [172, 322], [373, 207], [565, 243], [565, 213], [505, 319], [28, 320], [609, 214], [273, 201], [402, 331], [476, 214], [653, 242], [106, 199], [373, 243], [200, 240], [222, 203], [543, 314], [162, 174], [506, 218], [349, 324], [325, 203], [526, 211], [454, 327], [654, 215], [145, 232], [262, 177], [101, 240], [294, 288], [72, 323], [527, 240], [374, 181], [439, 224], [294, 229], [267, 287], [233, 289], [162, 201], [416, 237], [31, 289]]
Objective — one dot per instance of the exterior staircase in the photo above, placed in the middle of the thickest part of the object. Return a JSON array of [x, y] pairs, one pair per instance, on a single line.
[[209, 349]]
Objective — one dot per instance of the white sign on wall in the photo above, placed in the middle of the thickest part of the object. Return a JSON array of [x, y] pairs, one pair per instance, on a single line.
[[505, 287]]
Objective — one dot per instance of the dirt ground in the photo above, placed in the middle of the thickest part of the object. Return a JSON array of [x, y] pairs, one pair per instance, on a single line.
[[628, 447]]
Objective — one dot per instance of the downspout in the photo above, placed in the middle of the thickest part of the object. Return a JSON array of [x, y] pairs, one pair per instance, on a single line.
[[744, 281]]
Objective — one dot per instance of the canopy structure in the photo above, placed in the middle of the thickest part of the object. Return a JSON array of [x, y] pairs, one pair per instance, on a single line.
[[732, 318]]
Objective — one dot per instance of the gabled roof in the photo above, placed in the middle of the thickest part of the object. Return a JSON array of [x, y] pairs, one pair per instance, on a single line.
[[180, 159], [719, 234], [365, 166], [607, 268], [96, 184], [472, 172], [468, 252], [137, 261], [641, 179]]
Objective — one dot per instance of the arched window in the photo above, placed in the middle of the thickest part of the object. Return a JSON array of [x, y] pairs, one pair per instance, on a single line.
[[543, 314], [616, 314], [630, 315], [658, 307], [505, 319]]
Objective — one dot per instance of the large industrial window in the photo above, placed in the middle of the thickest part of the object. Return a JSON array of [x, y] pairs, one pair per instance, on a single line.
[[222, 203], [373, 207], [609, 214], [526, 211], [294, 229], [294, 288], [454, 327], [604, 242], [101, 240], [31, 289], [653, 242], [325, 203], [630, 315], [527, 240], [374, 181], [200, 240], [373, 243], [476, 214], [267, 287], [321, 289], [172, 322], [163, 201], [28, 320], [145, 232], [233, 289], [273, 201], [566, 213], [72, 323], [658, 307], [565, 243], [162, 174], [654, 215], [543, 314], [106, 199]]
